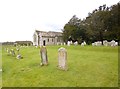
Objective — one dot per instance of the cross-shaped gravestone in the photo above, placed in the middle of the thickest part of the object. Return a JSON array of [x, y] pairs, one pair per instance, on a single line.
[[62, 58], [43, 53]]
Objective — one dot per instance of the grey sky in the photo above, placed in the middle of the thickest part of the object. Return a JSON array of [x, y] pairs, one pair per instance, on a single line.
[[19, 18]]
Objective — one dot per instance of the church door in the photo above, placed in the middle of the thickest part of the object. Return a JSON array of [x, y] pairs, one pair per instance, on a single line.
[[43, 42]]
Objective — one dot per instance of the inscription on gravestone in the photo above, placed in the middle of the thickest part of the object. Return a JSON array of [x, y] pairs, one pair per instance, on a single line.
[[62, 58]]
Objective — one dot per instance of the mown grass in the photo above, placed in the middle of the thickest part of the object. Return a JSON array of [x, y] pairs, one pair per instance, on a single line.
[[87, 67]]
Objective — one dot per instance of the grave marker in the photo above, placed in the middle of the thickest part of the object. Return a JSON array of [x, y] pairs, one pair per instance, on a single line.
[[62, 58], [43, 53]]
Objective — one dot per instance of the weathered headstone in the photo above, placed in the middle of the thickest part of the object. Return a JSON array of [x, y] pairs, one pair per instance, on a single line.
[[68, 43], [71, 42], [13, 52], [82, 44], [105, 43], [93, 44], [43, 53], [112, 43], [17, 50], [116, 43], [64, 43], [75, 43], [62, 58], [8, 51], [19, 56]]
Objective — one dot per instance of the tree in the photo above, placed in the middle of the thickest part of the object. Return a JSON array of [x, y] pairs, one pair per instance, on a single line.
[[102, 24]]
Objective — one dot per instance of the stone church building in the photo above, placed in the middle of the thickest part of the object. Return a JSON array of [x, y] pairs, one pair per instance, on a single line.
[[47, 38]]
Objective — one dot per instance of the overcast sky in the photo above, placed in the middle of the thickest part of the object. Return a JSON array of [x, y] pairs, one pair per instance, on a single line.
[[20, 18]]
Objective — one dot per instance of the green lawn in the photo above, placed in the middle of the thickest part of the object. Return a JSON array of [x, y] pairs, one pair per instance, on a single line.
[[87, 67]]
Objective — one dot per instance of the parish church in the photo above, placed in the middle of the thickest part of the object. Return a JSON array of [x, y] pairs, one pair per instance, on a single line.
[[47, 38]]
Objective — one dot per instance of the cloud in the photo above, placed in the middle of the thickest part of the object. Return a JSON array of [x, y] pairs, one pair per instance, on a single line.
[[19, 18]]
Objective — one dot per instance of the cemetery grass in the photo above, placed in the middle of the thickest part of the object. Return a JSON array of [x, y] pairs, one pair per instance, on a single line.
[[87, 67]]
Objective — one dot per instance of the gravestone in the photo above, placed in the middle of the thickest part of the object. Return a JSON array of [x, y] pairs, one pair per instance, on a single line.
[[76, 43], [112, 43], [13, 52], [17, 50], [105, 43], [71, 42], [43, 53], [68, 43], [62, 58], [8, 51], [19, 56]]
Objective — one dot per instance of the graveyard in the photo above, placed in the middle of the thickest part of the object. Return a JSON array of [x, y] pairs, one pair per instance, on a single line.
[[88, 66]]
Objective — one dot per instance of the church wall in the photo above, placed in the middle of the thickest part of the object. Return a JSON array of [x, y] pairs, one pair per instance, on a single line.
[[35, 40], [49, 40]]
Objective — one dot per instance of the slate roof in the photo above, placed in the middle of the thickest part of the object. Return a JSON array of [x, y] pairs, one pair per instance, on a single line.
[[49, 34]]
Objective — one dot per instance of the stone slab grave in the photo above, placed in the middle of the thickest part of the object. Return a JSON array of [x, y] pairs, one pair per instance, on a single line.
[[62, 58], [44, 58]]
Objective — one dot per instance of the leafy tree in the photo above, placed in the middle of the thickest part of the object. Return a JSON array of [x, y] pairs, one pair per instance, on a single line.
[[102, 24]]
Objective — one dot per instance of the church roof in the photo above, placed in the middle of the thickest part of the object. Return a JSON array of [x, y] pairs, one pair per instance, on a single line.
[[50, 33]]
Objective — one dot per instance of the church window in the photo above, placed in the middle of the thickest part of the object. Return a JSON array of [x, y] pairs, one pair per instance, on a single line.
[[52, 40]]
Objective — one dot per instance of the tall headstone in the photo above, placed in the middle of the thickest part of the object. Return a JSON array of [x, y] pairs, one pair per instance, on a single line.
[[62, 58], [44, 58]]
